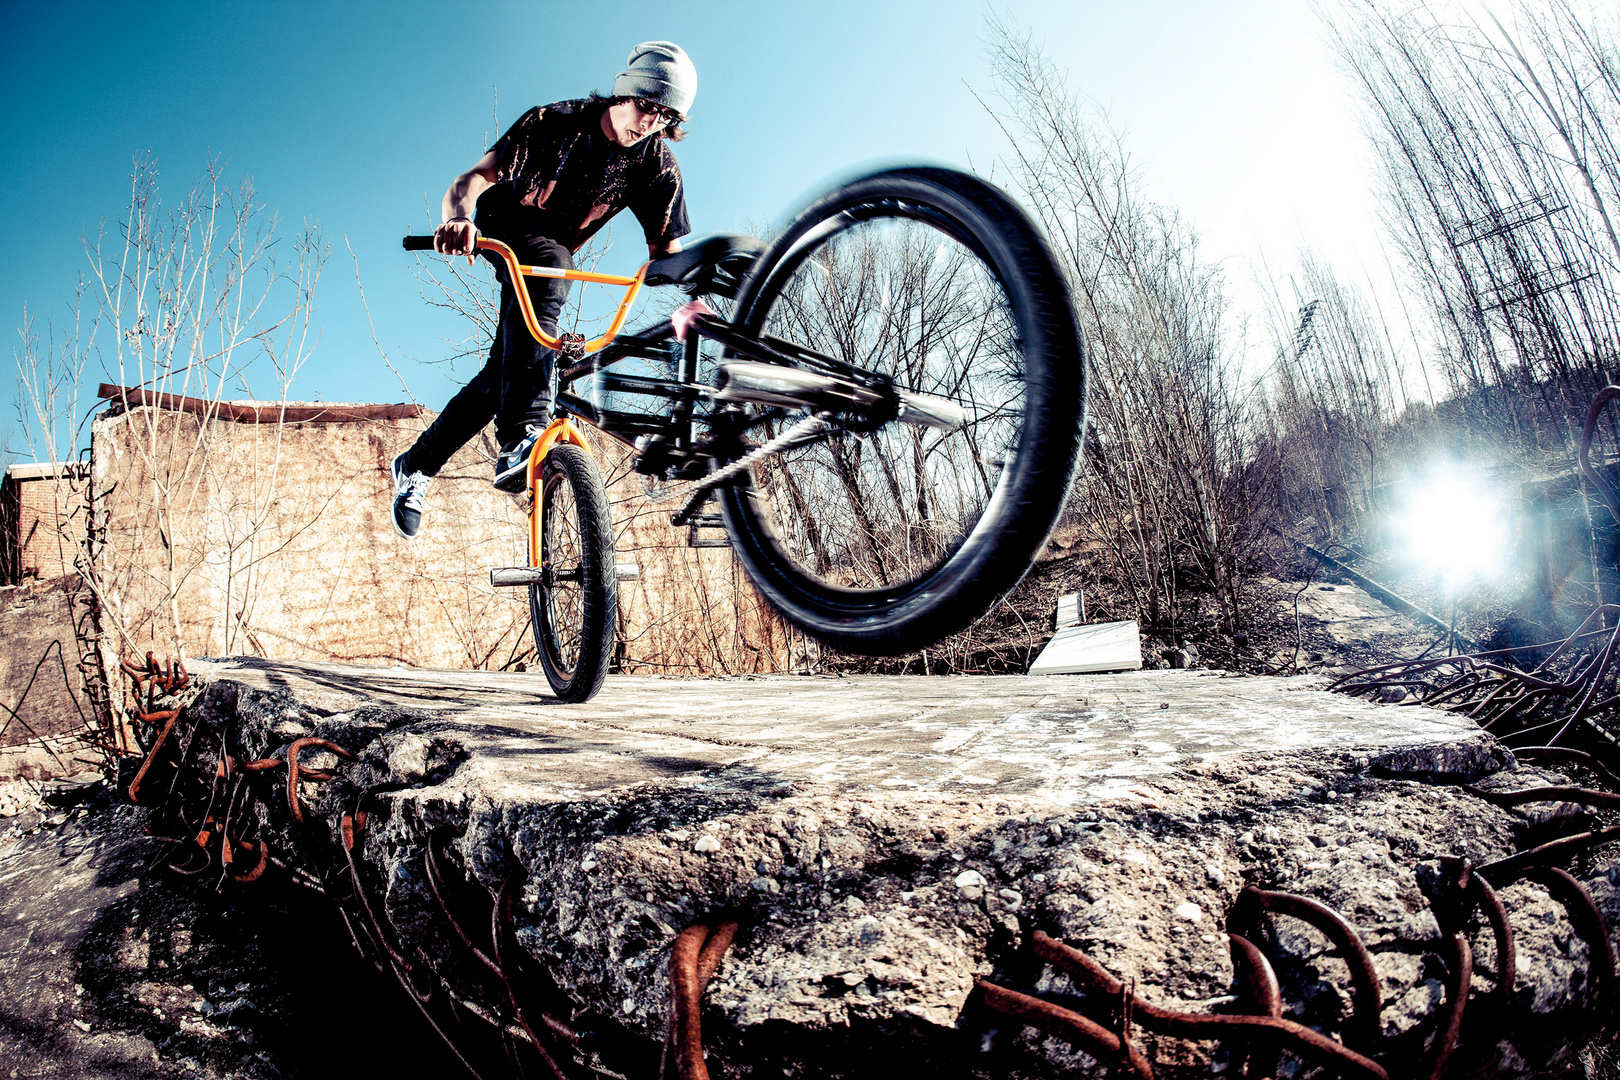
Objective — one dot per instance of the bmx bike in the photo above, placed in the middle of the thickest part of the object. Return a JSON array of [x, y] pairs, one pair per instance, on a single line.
[[887, 408]]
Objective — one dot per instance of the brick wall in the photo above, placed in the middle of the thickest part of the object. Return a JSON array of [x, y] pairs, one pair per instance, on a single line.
[[35, 500], [46, 721]]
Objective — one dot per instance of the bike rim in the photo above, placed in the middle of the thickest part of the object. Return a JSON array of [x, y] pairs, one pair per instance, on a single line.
[[896, 286], [562, 557]]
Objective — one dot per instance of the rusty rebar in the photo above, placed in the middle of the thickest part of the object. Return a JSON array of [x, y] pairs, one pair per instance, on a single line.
[[1507, 966], [436, 884], [1258, 983], [293, 750], [1587, 920], [259, 867], [1296, 1038], [1505, 871], [1450, 1020], [170, 715], [1493, 693], [350, 826], [500, 920], [1366, 998], [692, 963], [1088, 1035]]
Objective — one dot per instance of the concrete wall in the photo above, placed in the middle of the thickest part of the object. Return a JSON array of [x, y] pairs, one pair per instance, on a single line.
[[43, 721], [242, 538]]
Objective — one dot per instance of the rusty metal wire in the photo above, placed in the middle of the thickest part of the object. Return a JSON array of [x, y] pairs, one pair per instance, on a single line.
[[1461, 965], [1259, 1034], [693, 960], [1258, 982], [1569, 690], [1104, 1045], [1245, 916], [1587, 920], [1306, 1042], [1464, 892]]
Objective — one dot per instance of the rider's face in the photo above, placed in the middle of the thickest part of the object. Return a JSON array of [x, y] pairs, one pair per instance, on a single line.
[[626, 124]]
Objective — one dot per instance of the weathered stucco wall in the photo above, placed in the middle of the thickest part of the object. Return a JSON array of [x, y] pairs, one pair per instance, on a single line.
[[236, 538], [44, 711]]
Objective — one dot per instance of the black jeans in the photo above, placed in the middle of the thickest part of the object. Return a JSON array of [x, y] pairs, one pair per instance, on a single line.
[[514, 387]]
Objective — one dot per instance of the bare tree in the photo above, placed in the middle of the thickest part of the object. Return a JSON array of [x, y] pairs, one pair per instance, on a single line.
[[192, 303], [1163, 492], [1501, 176]]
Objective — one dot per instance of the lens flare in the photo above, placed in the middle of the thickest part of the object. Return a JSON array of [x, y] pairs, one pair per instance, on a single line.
[[1454, 528]]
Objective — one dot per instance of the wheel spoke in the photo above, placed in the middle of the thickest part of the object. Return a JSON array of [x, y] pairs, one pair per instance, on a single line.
[[877, 509]]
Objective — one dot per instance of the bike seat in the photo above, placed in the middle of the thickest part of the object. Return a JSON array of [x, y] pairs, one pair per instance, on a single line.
[[713, 266]]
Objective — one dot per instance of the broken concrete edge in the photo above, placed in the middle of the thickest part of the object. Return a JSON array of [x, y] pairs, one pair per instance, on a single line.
[[879, 910]]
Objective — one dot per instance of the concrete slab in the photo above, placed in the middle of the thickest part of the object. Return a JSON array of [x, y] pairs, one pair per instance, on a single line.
[[1065, 739], [886, 841]]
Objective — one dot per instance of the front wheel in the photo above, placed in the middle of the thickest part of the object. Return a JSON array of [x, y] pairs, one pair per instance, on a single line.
[[575, 608], [883, 538]]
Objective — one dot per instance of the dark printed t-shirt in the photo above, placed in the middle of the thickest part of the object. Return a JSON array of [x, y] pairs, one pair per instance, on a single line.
[[569, 178]]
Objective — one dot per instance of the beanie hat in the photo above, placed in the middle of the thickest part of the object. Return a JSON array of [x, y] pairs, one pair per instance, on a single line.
[[659, 71]]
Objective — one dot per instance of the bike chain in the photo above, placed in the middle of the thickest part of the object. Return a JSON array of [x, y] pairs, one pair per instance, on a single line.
[[805, 431]]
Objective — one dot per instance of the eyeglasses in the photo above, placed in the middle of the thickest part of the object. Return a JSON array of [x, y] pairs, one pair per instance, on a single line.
[[652, 108]]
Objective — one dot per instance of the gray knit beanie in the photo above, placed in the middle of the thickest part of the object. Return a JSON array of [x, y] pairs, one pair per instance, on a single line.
[[659, 71]]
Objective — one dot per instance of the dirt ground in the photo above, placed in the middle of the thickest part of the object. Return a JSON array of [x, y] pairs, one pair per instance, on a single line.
[[111, 966]]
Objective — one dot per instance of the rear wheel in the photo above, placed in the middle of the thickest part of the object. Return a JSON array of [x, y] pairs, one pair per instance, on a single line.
[[575, 609], [885, 537]]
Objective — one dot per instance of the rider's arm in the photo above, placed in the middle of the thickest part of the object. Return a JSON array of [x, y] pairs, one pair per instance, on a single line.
[[455, 236], [668, 247]]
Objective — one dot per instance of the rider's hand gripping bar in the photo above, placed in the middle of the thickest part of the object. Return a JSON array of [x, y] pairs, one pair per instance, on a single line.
[[516, 270]]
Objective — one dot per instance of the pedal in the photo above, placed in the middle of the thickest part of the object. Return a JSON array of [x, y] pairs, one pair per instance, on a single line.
[[706, 521]]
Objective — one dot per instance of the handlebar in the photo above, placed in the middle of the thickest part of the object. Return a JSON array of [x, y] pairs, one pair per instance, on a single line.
[[419, 243]]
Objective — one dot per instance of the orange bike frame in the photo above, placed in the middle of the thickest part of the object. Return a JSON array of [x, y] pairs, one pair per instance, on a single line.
[[517, 270], [560, 430]]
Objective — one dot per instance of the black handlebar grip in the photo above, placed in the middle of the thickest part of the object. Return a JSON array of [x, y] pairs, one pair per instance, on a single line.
[[419, 243]]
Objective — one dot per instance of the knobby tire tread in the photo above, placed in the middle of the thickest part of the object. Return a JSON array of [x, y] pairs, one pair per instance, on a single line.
[[971, 580]]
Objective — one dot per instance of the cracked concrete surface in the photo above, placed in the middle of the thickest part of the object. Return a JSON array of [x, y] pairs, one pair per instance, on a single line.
[[887, 840]]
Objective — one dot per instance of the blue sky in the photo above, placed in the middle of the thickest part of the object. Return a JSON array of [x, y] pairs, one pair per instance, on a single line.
[[357, 115]]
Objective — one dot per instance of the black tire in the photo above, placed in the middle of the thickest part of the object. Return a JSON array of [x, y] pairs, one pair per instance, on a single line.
[[575, 611], [882, 542]]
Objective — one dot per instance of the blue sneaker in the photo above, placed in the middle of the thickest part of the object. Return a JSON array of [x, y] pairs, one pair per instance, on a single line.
[[410, 499], [512, 466]]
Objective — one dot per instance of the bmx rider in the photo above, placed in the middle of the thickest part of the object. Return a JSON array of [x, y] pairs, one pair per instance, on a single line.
[[545, 188]]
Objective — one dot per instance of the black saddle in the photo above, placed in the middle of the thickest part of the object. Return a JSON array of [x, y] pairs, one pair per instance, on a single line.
[[711, 267]]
